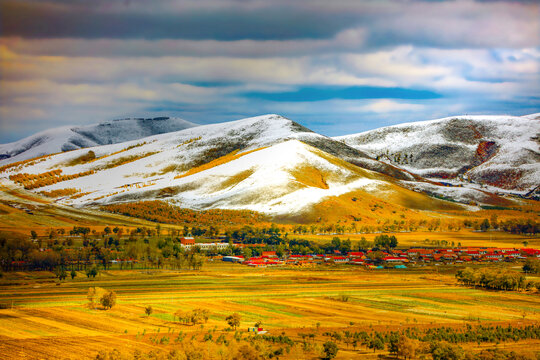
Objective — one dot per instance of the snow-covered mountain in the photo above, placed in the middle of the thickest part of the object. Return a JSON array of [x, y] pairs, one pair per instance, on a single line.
[[268, 163], [500, 153], [75, 137]]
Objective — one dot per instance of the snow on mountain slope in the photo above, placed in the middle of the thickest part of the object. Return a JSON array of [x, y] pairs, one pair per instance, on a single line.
[[501, 152], [267, 163], [76, 137]]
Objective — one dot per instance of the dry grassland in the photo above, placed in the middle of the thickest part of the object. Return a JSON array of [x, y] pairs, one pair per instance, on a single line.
[[54, 321]]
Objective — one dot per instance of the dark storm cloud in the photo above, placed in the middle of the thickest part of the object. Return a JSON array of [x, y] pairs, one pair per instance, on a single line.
[[48, 20], [449, 24]]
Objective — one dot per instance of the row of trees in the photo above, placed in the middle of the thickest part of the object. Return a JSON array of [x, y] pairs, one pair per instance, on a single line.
[[495, 279], [163, 212], [404, 343], [514, 226], [439, 343]]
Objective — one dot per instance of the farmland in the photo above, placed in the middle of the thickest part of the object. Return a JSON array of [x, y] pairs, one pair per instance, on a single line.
[[44, 319], [302, 308]]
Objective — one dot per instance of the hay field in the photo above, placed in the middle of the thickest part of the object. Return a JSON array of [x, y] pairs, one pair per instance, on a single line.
[[54, 321]]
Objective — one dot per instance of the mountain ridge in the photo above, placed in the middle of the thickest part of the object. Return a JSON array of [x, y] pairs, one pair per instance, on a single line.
[[268, 163], [497, 151], [69, 137]]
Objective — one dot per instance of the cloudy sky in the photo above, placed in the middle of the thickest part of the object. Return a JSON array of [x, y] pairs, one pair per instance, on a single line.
[[338, 67]]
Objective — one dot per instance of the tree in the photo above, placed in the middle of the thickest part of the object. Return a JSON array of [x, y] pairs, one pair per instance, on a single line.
[[386, 241], [194, 317], [92, 272], [108, 300], [60, 273], [233, 320], [376, 344], [33, 234], [330, 350], [148, 310], [91, 296], [246, 352], [485, 225], [406, 347], [446, 351], [532, 265], [73, 274]]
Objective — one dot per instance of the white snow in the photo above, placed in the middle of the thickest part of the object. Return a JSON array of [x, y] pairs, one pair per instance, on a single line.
[[74, 137], [269, 188], [514, 136]]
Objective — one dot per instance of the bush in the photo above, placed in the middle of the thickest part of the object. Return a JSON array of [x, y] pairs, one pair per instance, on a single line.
[[108, 300], [446, 351], [330, 350], [233, 320], [92, 272], [532, 265]]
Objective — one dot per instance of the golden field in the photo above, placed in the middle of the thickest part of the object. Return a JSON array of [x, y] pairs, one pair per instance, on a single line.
[[46, 320]]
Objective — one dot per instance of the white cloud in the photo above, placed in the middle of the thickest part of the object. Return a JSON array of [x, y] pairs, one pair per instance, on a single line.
[[387, 106]]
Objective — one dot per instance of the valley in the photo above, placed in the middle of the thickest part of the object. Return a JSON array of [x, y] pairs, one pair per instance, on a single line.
[[340, 246]]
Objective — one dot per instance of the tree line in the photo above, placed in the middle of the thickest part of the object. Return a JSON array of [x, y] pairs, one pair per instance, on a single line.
[[495, 279]]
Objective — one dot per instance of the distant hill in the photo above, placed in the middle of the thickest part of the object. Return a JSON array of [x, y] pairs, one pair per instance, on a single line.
[[75, 137], [498, 152]]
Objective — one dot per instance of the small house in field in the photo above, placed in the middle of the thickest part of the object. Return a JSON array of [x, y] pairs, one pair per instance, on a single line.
[[339, 259], [187, 242], [234, 259], [395, 259]]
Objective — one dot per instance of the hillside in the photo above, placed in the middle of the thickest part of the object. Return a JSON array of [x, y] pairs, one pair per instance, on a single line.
[[75, 137], [268, 164], [498, 153]]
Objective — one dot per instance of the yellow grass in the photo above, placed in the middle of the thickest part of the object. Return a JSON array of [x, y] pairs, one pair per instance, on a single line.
[[309, 176], [48, 319], [219, 161]]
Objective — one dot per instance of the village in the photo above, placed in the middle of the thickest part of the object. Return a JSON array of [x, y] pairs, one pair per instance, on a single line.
[[371, 259]]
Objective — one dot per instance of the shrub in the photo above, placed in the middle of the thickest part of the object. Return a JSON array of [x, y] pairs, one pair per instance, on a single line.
[[330, 350], [108, 300]]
